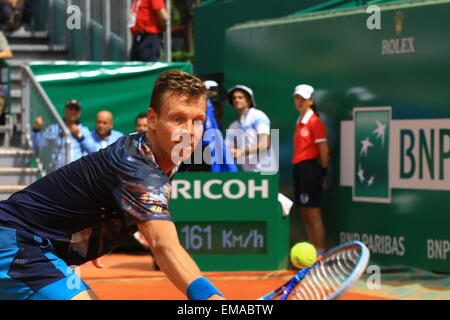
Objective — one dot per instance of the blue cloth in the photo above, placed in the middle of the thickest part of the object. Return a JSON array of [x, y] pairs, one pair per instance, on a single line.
[[29, 269], [100, 144], [52, 139], [222, 161], [90, 206]]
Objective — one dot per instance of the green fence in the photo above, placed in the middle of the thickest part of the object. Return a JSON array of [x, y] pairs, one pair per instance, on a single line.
[[395, 196], [89, 41], [212, 18]]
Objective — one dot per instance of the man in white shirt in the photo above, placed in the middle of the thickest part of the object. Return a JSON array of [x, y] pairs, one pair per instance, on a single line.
[[248, 138]]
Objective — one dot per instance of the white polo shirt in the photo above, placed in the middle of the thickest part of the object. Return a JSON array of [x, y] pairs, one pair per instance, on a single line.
[[243, 133]]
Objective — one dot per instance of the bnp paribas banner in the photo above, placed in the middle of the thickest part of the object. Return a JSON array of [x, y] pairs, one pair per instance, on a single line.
[[399, 174], [382, 154]]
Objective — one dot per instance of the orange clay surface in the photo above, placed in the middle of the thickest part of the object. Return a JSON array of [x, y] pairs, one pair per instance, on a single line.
[[131, 277]]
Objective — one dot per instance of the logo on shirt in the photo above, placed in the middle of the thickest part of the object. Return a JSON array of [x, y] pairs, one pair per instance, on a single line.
[[156, 209], [304, 132]]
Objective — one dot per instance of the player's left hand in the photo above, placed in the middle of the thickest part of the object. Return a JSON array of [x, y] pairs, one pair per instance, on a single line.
[[98, 264]]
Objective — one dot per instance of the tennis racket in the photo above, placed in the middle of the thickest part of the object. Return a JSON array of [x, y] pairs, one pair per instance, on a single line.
[[330, 276]]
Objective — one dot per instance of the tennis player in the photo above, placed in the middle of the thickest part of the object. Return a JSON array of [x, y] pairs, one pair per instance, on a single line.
[[85, 209]]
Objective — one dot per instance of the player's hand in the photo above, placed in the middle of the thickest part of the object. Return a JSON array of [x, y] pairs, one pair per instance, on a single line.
[[38, 123], [216, 297], [98, 264]]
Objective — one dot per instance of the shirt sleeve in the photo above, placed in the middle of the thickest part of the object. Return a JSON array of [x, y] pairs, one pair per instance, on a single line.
[[319, 131], [145, 196], [262, 124], [88, 143], [3, 42], [156, 4]]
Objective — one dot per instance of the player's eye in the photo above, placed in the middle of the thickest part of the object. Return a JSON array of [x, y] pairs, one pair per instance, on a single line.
[[178, 119]]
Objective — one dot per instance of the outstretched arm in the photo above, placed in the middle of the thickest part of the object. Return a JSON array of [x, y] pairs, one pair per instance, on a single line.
[[171, 257]]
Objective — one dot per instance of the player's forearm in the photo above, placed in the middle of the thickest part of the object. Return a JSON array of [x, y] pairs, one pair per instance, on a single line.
[[170, 256], [175, 262]]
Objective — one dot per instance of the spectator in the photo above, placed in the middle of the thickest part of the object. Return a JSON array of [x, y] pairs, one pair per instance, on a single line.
[[215, 156], [147, 21], [5, 51], [310, 146], [11, 12], [248, 138], [140, 124], [104, 135], [53, 139]]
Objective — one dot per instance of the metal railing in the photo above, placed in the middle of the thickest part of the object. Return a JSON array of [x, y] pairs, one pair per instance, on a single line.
[[5, 103], [52, 143], [104, 33]]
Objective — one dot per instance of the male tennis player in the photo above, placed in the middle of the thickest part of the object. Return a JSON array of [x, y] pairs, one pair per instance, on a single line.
[[85, 209]]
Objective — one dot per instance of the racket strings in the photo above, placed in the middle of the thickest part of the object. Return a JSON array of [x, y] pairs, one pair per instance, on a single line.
[[327, 276]]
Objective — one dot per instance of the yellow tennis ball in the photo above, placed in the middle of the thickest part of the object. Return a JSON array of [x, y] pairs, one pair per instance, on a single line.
[[303, 255]]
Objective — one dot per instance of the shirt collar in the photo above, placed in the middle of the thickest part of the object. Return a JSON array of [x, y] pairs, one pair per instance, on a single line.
[[307, 116], [242, 118], [146, 151]]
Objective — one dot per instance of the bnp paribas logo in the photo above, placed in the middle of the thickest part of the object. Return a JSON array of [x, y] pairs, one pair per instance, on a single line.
[[380, 154], [371, 154]]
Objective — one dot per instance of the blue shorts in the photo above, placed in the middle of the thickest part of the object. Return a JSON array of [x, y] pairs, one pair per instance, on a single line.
[[30, 270]]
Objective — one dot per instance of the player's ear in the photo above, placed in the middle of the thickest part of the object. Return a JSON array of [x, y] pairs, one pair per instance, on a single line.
[[151, 118]]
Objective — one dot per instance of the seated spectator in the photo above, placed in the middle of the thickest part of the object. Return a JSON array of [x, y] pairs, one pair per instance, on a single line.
[[5, 51], [52, 137], [104, 135], [11, 14], [140, 124]]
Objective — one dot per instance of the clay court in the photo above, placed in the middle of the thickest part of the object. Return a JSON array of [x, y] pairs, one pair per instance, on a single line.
[[130, 277]]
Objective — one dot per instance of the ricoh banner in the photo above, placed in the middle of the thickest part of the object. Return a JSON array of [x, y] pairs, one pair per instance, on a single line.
[[231, 221]]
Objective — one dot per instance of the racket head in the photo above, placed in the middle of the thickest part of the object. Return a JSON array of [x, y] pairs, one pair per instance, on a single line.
[[329, 277]]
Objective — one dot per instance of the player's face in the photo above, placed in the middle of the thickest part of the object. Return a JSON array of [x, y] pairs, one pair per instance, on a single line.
[[141, 125], [178, 127], [239, 101]]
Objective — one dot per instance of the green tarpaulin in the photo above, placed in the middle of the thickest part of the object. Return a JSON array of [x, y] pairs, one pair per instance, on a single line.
[[122, 88]]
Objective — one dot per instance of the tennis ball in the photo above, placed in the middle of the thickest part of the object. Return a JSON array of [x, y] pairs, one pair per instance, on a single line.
[[303, 255]]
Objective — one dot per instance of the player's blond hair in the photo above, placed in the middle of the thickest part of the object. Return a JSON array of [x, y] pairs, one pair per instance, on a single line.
[[176, 83]]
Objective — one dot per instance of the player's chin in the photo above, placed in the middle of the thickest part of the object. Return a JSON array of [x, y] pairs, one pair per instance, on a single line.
[[181, 155], [186, 153]]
